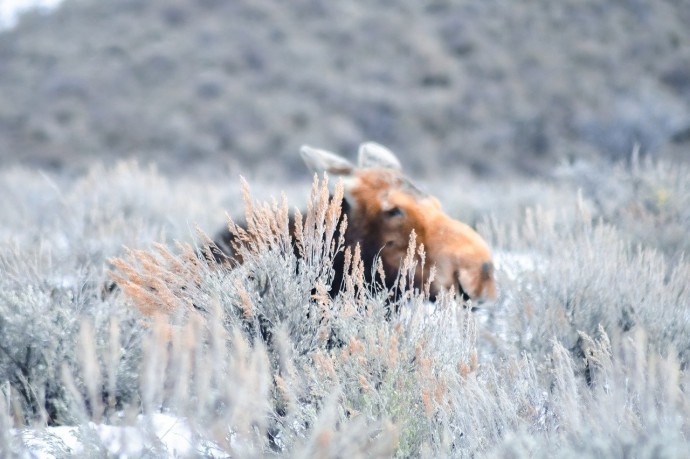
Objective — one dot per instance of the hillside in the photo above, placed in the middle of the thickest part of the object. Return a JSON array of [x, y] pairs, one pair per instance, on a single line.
[[213, 86]]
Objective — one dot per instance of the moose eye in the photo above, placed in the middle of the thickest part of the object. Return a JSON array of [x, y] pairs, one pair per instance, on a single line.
[[394, 212]]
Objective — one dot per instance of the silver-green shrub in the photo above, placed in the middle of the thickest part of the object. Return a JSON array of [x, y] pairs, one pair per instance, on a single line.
[[584, 353]]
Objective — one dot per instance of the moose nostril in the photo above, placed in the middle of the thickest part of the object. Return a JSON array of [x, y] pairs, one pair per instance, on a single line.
[[487, 270]]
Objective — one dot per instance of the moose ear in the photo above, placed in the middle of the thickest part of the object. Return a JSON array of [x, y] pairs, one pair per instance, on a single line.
[[374, 155], [324, 161]]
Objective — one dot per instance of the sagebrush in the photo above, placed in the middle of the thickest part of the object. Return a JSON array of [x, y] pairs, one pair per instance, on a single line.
[[583, 354]]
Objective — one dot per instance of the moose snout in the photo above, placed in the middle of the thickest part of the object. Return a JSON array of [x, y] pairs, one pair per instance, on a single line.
[[486, 286], [487, 271], [477, 280]]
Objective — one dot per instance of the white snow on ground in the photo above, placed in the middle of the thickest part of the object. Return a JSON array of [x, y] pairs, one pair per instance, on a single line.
[[513, 264], [163, 433], [11, 9]]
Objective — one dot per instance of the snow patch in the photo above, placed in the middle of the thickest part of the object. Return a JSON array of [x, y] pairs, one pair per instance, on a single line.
[[513, 264], [10, 10], [169, 435]]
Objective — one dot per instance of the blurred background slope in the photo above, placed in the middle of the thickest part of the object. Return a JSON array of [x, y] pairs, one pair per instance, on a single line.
[[212, 86]]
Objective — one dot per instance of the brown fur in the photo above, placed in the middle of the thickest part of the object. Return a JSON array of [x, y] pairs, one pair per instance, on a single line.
[[383, 208]]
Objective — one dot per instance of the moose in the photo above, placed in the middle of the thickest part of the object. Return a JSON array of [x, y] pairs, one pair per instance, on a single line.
[[383, 207]]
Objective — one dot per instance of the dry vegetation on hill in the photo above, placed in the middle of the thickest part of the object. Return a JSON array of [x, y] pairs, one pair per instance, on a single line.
[[491, 86]]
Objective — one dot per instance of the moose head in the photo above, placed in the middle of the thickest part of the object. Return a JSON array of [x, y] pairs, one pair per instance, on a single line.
[[384, 207]]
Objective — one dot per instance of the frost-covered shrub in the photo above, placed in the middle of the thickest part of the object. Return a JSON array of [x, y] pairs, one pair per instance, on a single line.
[[617, 261], [41, 308], [582, 275], [647, 201], [583, 354], [54, 242]]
